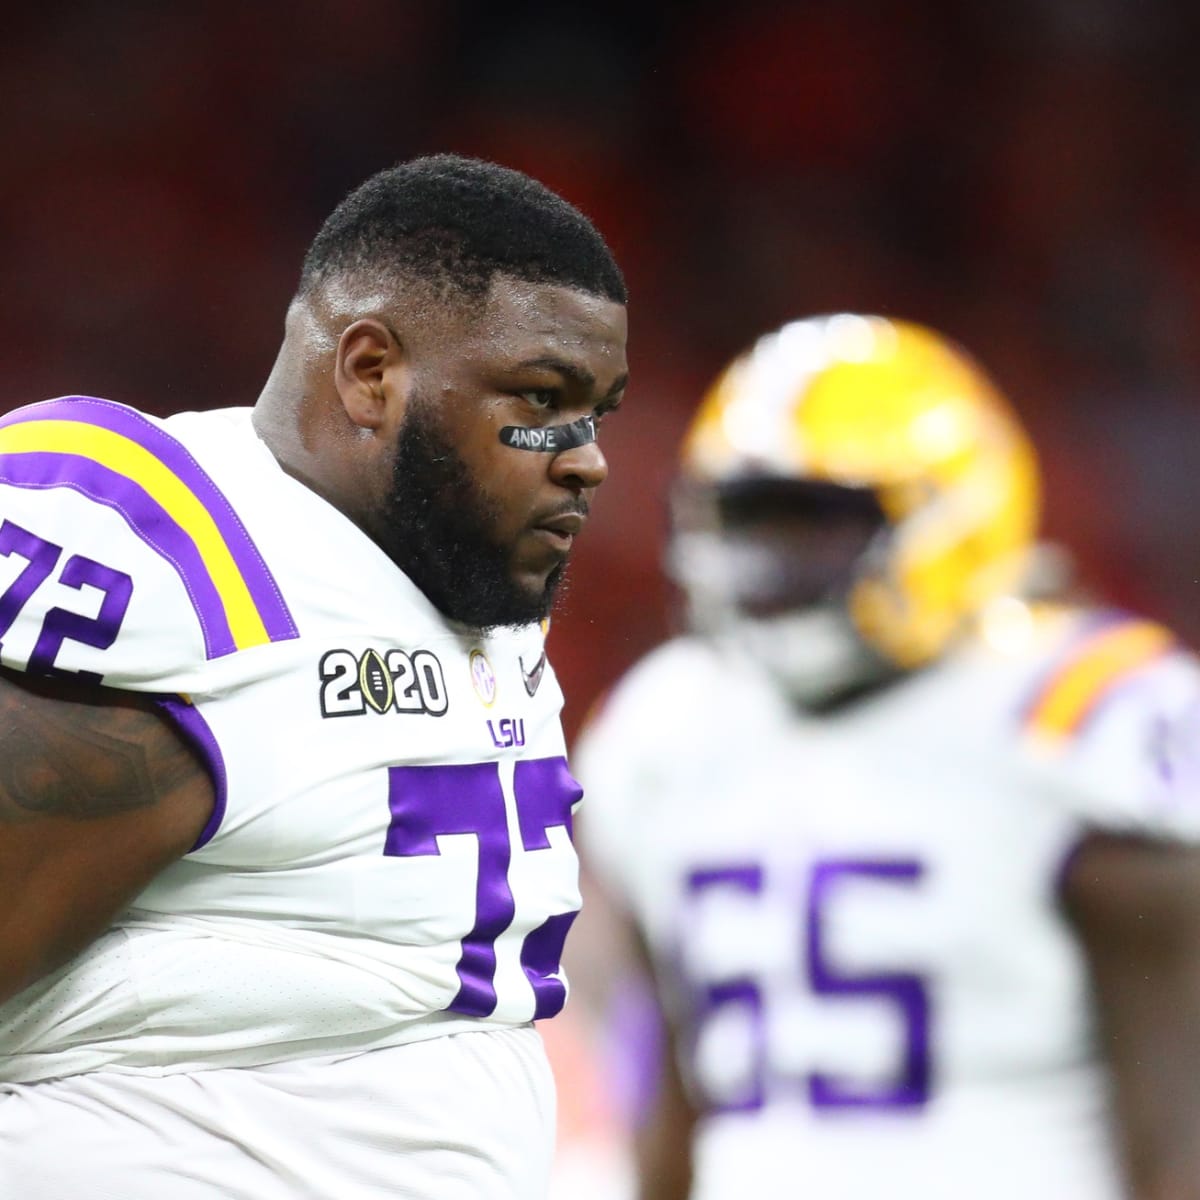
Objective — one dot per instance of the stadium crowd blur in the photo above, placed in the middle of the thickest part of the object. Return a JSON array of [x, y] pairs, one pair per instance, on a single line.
[[1025, 177]]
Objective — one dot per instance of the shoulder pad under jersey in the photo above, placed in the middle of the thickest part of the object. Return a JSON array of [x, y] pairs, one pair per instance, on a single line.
[[121, 561], [1099, 720]]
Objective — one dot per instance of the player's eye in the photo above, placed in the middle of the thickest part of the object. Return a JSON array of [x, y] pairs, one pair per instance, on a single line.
[[540, 398], [604, 409]]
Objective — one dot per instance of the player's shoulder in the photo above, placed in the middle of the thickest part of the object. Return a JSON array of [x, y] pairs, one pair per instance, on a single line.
[[674, 684], [1101, 721], [1082, 663], [120, 553], [105, 430], [1057, 676], [1071, 705], [122, 458], [674, 667]]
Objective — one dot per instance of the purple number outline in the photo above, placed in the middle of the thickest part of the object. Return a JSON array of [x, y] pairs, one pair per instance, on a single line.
[[41, 557], [429, 801], [61, 625], [905, 990], [743, 990]]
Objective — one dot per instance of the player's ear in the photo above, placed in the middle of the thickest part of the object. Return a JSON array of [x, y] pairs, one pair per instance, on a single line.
[[367, 373]]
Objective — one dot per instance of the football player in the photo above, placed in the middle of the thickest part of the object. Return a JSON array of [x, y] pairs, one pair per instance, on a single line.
[[908, 839], [284, 810]]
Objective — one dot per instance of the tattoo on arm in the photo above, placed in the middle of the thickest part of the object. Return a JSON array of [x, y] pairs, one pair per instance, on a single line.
[[84, 761]]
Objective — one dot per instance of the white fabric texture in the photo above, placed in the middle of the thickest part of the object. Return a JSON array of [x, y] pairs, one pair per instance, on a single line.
[[466, 1117]]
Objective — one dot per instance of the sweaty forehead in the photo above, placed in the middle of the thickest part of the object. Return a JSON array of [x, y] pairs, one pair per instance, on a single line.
[[523, 322]]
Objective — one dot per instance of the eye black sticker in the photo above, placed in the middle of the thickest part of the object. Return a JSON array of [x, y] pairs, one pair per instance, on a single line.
[[550, 439]]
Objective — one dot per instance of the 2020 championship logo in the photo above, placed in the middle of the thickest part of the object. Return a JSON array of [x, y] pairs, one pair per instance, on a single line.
[[394, 681]]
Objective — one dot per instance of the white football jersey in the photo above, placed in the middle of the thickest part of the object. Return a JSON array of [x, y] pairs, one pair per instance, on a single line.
[[855, 916], [390, 855]]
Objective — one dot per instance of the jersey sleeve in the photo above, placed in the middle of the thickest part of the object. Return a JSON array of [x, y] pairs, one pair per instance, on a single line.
[[1114, 726], [121, 561], [1177, 759]]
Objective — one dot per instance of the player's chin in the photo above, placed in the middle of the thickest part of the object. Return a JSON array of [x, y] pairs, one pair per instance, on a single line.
[[534, 586], [537, 584], [539, 558]]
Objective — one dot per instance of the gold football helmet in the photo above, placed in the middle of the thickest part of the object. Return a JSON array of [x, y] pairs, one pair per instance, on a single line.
[[871, 410]]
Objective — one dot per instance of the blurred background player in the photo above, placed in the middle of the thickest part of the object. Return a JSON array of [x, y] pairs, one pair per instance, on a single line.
[[895, 828]]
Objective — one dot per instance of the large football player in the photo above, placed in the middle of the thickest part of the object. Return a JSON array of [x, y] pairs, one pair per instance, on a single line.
[[909, 843], [285, 817]]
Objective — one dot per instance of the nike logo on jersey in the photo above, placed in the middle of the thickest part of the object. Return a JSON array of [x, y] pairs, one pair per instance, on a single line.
[[533, 678]]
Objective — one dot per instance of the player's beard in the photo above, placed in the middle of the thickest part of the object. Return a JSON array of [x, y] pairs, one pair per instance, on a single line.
[[437, 526]]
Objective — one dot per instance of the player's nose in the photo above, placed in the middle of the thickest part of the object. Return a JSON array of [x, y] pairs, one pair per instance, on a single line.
[[579, 467]]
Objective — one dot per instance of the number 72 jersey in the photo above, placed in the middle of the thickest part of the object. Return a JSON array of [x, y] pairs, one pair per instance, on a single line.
[[855, 917], [390, 855]]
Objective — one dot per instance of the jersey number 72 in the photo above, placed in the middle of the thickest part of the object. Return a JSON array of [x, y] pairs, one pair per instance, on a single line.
[[59, 624]]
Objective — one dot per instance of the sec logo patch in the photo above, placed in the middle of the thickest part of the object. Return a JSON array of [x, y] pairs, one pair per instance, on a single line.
[[483, 678]]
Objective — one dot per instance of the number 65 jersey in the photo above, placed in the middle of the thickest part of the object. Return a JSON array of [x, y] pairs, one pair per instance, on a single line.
[[389, 858], [854, 917]]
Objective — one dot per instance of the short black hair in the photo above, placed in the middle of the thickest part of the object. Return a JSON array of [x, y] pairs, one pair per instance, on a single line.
[[455, 223]]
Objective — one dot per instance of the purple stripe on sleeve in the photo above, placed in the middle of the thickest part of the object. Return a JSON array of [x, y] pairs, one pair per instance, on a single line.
[[146, 517], [199, 736], [129, 423]]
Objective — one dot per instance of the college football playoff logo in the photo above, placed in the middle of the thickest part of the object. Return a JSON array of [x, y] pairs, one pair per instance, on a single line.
[[393, 681]]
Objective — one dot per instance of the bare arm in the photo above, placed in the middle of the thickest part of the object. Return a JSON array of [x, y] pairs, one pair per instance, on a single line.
[[98, 793], [662, 1144], [1136, 908], [610, 965]]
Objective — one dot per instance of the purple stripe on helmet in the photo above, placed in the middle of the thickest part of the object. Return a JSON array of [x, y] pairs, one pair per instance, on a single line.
[[145, 516], [127, 422], [199, 736]]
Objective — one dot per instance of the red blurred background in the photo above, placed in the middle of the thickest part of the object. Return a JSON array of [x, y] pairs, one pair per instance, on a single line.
[[1025, 177]]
